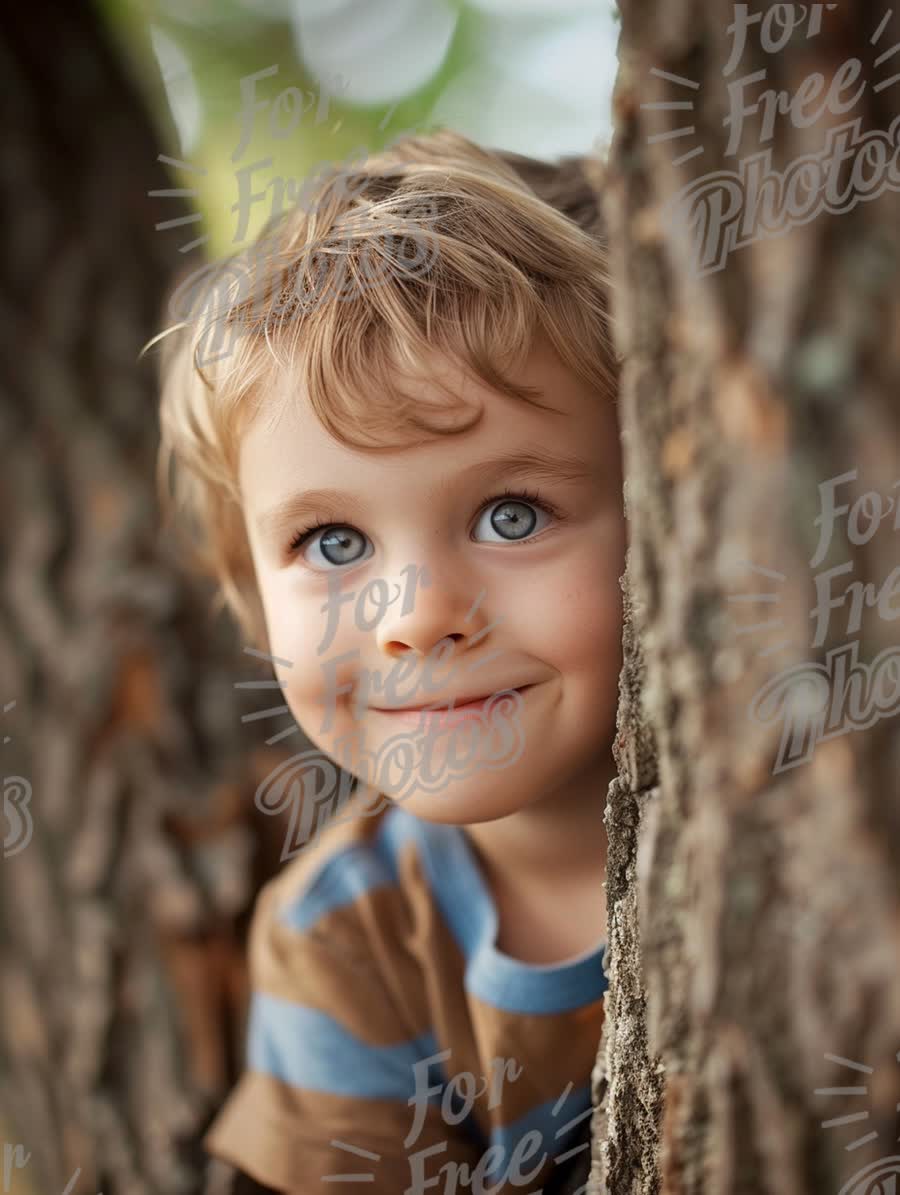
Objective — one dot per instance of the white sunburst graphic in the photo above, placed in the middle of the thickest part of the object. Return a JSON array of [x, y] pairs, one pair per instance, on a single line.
[[725, 209], [868, 1180], [675, 106], [194, 193], [221, 286], [181, 193], [457, 1171], [886, 55], [273, 711], [768, 597]]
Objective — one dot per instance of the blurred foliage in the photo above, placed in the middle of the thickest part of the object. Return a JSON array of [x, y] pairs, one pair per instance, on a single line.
[[529, 75], [310, 126]]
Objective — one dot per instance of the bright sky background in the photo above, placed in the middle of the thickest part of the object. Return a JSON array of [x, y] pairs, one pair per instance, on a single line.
[[538, 78], [532, 76]]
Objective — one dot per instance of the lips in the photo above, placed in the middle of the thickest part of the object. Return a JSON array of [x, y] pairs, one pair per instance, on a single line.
[[456, 703]]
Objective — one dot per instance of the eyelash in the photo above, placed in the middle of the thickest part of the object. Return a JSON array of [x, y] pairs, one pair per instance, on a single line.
[[529, 496]]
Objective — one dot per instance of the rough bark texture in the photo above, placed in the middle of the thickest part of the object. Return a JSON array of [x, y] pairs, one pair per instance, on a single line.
[[754, 908], [122, 982]]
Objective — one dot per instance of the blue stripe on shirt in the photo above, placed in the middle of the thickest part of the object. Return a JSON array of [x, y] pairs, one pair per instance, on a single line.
[[310, 1049], [467, 907]]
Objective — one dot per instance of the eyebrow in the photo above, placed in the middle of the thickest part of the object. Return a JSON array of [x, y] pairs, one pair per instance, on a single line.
[[535, 464]]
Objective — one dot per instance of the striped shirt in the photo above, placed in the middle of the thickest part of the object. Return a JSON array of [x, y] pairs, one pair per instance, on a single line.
[[388, 1036]]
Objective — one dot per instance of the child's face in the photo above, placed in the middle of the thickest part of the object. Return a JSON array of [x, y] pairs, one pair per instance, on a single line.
[[489, 594]]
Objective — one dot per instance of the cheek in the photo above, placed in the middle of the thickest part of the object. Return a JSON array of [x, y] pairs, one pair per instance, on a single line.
[[331, 657], [592, 629], [579, 616], [296, 626]]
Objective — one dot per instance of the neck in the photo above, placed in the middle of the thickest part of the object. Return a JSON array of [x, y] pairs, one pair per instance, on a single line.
[[559, 841]]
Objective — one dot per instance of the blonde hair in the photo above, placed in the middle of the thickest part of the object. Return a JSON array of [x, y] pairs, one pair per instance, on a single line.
[[501, 265]]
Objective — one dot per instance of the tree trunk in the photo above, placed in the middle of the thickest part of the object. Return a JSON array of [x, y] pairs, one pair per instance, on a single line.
[[753, 889], [131, 847]]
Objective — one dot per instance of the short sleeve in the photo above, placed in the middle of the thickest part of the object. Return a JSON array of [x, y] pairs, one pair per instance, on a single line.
[[336, 1086]]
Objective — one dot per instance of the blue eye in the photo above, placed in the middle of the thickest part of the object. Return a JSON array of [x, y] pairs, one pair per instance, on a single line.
[[339, 545], [515, 517]]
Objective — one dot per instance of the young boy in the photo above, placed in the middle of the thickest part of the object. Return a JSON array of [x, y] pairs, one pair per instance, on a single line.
[[427, 976]]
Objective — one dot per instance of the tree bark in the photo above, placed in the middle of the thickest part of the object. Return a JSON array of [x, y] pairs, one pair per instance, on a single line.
[[754, 897], [131, 847]]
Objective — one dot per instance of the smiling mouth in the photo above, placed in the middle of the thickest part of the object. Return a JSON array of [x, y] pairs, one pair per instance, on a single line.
[[449, 706]]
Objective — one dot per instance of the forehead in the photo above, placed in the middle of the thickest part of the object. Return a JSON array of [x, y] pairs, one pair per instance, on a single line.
[[299, 452]]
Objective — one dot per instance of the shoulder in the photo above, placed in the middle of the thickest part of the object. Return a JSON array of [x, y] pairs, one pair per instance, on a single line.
[[341, 946], [316, 889], [350, 893], [387, 898]]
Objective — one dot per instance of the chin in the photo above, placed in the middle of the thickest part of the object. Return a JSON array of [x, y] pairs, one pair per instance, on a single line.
[[461, 804]]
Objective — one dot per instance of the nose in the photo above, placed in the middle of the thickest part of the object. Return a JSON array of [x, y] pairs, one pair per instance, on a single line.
[[440, 614]]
